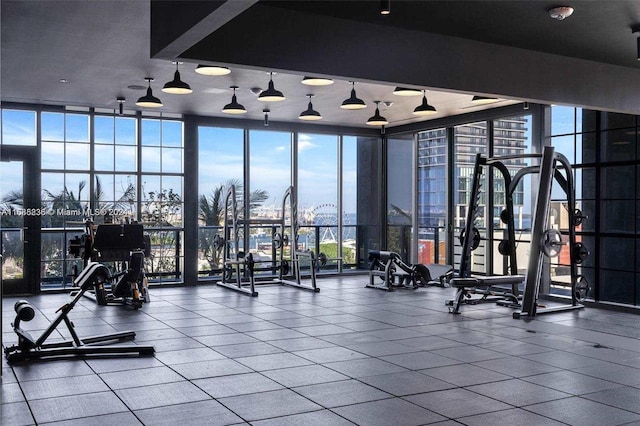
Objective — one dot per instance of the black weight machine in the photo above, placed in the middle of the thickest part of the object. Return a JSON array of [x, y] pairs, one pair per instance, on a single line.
[[239, 267], [127, 246], [28, 347], [389, 267]]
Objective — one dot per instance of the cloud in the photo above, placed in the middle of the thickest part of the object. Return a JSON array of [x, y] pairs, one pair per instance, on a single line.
[[305, 144]]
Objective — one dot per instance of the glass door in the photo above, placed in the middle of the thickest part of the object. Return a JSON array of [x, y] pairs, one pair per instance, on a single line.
[[19, 223]]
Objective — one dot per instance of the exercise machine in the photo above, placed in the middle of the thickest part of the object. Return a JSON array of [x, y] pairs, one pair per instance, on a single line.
[[502, 289], [126, 246], [239, 270], [547, 242], [29, 347], [390, 267]]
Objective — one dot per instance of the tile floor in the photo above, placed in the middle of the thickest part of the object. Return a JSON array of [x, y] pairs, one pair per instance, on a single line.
[[347, 355]]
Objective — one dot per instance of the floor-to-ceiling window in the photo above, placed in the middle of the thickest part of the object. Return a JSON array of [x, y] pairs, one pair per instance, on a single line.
[[349, 200], [400, 187]]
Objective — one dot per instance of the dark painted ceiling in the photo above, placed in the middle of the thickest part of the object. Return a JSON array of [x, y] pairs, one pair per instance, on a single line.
[[104, 47]]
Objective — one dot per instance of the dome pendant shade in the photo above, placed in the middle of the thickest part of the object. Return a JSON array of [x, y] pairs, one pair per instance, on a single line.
[[353, 102], [482, 100], [177, 86], [148, 100], [271, 94], [234, 107], [310, 114], [424, 108], [377, 119], [212, 70], [317, 81], [404, 91]]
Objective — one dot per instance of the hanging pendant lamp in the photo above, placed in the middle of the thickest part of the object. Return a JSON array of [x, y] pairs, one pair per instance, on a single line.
[[177, 86], [317, 81], [148, 100], [212, 70], [271, 94], [405, 91], [121, 100], [353, 102], [483, 100], [310, 114], [424, 108], [234, 107], [266, 116], [377, 119]]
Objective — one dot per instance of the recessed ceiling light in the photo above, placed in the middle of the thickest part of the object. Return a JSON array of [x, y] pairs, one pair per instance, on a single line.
[[317, 81], [560, 13], [212, 70], [63, 80], [405, 91]]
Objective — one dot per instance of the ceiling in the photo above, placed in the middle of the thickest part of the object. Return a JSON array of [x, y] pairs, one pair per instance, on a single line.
[[102, 48]]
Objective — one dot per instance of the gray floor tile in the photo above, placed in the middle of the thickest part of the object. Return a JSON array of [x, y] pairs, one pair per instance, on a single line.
[[16, 414], [314, 418], [515, 416], [248, 349], [364, 367], [185, 356], [516, 367], [464, 374], [51, 370], [570, 382], [215, 368], [237, 384], [273, 361], [562, 359], [456, 403], [225, 339], [63, 386], [141, 377], [107, 365], [469, 354], [430, 343], [613, 373], [395, 333], [578, 411], [76, 406], [166, 345], [626, 398], [395, 412], [160, 395], [10, 392], [265, 405], [405, 383], [382, 348], [301, 344], [420, 360], [189, 414], [118, 419], [305, 375], [341, 393], [518, 392], [323, 330], [280, 333], [332, 354], [366, 325]]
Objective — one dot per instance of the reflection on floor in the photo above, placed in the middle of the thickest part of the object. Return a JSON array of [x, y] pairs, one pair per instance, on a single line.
[[342, 356]]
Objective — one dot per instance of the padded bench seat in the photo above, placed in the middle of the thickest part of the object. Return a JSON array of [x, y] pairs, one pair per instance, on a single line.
[[484, 281]]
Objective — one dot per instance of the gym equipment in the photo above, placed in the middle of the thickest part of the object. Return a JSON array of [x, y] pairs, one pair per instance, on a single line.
[[30, 348], [239, 269], [487, 286], [125, 244], [553, 166], [389, 266]]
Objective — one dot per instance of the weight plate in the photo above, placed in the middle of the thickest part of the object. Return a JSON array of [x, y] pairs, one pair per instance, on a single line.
[[551, 242], [581, 289]]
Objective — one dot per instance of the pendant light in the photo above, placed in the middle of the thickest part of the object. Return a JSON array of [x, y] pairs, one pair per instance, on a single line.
[[353, 102], [271, 94], [317, 81], [177, 86], [148, 100], [377, 119], [424, 108], [120, 100], [234, 107], [483, 100], [385, 7], [405, 91], [310, 114], [266, 116], [212, 70]]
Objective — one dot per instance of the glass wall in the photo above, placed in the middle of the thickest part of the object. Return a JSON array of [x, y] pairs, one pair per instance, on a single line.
[[349, 200], [400, 189]]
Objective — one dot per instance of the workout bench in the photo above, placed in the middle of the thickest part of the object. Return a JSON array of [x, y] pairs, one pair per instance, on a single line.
[[483, 285], [389, 266]]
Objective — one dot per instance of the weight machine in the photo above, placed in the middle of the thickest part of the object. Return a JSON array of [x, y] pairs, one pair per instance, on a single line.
[[127, 246], [92, 275], [547, 242], [389, 266], [544, 242], [239, 267]]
